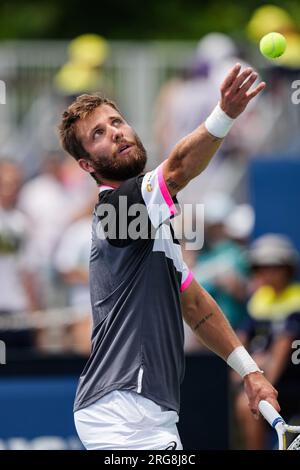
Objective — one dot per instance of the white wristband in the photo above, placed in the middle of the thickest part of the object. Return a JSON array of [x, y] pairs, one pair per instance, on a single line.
[[218, 123], [241, 361]]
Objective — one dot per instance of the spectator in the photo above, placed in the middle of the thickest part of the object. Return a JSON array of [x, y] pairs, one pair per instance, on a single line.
[[84, 71], [278, 111], [72, 262], [17, 279], [52, 200], [221, 267], [239, 224], [273, 324]]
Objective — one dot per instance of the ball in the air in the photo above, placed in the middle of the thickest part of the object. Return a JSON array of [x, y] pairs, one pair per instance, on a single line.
[[272, 45]]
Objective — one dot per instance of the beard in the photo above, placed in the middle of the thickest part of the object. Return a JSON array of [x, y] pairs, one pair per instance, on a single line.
[[121, 167]]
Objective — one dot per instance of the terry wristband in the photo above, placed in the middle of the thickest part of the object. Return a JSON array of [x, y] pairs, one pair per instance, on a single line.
[[241, 361], [218, 123]]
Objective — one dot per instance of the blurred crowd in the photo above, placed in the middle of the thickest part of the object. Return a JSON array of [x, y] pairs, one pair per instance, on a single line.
[[44, 252], [46, 209], [256, 283]]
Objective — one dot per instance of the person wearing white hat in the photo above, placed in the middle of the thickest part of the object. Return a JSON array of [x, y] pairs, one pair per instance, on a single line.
[[272, 327]]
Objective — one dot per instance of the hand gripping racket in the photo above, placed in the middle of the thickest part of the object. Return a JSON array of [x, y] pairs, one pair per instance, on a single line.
[[278, 423]]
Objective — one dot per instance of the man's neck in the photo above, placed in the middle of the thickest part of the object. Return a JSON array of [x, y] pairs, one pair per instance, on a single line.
[[109, 183]]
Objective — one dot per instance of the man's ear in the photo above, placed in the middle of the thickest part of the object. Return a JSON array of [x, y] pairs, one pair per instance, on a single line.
[[85, 165]]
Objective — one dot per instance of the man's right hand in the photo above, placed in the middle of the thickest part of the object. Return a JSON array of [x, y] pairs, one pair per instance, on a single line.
[[192, 154], [258, 388], [235, 90]]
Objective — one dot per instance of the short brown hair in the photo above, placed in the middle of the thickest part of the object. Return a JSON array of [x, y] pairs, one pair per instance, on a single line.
[[79, 109]]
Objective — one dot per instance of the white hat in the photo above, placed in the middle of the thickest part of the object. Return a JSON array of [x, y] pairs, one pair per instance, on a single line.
[[215, 47], [217, 207], [273, 250], [240, 222]]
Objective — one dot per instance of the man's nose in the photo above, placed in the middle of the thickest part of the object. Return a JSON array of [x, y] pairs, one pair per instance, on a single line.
[[116, 134]]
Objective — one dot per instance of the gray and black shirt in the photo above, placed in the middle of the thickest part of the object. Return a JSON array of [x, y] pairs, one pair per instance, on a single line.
[[135, 282]]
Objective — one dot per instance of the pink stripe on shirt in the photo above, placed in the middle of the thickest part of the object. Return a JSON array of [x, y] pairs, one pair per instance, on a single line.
[[165, 192], [187, 282]]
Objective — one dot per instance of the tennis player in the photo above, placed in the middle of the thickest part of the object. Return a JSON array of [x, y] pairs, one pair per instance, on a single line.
[[128, 393]]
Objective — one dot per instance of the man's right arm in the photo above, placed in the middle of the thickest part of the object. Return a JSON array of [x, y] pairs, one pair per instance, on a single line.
[[193, 153]]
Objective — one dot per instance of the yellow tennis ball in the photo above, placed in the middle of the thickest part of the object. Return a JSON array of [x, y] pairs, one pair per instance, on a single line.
[[272, 45]]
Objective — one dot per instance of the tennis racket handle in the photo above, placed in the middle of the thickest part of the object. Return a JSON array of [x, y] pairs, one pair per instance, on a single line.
[[269, 412]]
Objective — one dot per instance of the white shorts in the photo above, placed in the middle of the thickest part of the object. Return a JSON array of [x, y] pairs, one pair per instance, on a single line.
[[126, 420]]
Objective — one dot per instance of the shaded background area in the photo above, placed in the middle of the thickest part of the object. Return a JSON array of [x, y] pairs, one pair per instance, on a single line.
[[171, 19]]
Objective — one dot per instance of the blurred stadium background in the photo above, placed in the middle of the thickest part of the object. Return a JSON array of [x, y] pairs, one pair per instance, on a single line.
[[163, 67]]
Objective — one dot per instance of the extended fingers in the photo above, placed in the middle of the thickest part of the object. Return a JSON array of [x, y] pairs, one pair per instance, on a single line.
[[236, 91], [248, 83], [239, 80], [239, 83], [256, 90], [230, 77]]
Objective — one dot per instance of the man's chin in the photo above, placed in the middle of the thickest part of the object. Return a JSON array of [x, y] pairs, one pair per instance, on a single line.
[[124, 167], [135, 167], [122, 175]]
